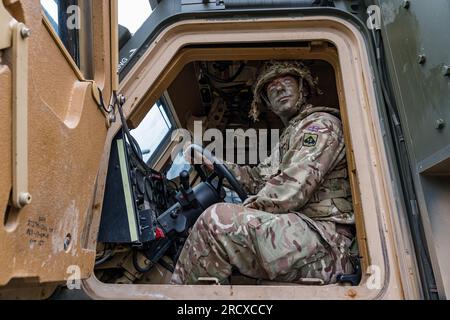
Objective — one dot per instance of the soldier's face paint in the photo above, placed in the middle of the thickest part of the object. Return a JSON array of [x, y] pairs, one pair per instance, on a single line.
[[283, 94]]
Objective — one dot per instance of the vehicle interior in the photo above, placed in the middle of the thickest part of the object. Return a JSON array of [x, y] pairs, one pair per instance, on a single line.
[[209, 78], [153, 196]]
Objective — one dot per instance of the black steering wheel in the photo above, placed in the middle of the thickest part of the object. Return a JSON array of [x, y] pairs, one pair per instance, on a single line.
[[221, 171]]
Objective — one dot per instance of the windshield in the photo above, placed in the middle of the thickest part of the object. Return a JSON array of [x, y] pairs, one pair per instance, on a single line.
[[154, 132], [133, 14]]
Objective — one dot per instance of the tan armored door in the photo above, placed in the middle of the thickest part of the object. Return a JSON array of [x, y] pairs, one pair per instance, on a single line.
[[54, 58]]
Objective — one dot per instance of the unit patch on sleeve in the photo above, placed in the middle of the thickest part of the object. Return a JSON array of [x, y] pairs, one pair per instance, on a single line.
[[310, 140]]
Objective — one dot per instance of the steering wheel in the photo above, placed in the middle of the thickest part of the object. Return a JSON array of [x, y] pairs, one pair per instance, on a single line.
[[221, 171]]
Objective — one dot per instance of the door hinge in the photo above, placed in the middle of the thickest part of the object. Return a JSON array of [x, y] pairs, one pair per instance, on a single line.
[[110, 111]]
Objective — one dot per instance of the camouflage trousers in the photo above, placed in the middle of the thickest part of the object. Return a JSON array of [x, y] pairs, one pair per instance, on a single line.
[[262, 245]]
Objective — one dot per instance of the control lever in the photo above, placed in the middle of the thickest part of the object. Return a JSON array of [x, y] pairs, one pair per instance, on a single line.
[[186, 196], [184, 178]]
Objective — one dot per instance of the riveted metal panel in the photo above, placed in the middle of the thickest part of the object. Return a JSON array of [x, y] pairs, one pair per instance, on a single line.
[[424, 91], [418, 51]]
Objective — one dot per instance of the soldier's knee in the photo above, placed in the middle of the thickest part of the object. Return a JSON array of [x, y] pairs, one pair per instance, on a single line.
[[207, 216], [216, 207], [217, 215]]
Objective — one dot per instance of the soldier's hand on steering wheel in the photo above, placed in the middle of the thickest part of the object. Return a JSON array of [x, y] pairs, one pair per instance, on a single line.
[[194, 157]]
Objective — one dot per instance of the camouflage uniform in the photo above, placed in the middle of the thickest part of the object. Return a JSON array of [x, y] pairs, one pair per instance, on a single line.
[[293, 228]]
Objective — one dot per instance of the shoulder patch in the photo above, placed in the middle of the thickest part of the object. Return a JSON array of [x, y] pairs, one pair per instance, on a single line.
[[310, 140], [314, 128]]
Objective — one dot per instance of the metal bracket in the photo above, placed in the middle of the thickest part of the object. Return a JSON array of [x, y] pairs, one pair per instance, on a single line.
[[199, 5], [15, 34], [5, 27], [109, 111], [20, 35]]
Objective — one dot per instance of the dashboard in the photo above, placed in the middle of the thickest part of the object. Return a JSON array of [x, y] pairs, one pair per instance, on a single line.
[[145, 210]]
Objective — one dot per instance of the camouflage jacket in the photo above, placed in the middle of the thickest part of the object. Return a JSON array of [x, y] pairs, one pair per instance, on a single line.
[[306, 172]]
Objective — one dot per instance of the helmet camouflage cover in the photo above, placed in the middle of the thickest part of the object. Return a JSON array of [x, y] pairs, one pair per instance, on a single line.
[[274, 69]]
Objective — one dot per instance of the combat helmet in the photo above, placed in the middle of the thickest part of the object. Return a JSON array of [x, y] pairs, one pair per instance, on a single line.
[[273, 69]]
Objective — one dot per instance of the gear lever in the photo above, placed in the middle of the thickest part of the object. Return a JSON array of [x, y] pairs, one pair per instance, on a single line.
[[186, 196], [184, 179]]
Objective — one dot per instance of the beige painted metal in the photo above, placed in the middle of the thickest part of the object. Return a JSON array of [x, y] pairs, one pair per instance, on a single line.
[[148, 80], [69, 59], [15, 34], [20, 195], [5, 27], [61, 46], [66, 136], [112, 20], [5, 142]]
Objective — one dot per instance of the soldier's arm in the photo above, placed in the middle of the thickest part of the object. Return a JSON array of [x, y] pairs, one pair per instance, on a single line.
[[318, 146], [251, 178]]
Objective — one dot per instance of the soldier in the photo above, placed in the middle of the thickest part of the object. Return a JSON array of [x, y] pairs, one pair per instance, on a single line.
[[298, 225]]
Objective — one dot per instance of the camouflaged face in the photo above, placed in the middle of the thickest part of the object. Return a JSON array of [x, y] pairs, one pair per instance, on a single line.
[[274, 69]]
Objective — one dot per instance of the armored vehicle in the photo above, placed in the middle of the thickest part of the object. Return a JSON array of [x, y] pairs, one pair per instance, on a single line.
[[96, 199]]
